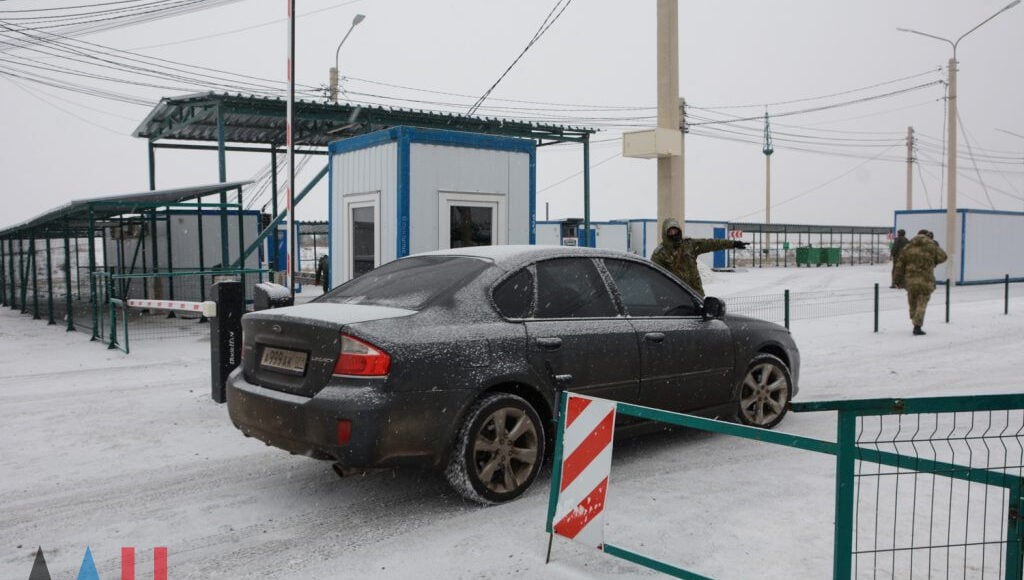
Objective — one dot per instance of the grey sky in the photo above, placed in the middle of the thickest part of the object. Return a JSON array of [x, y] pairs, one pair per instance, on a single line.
[[594, 67]]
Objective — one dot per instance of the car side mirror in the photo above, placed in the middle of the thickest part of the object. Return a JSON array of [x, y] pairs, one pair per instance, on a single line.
[[713, 308]]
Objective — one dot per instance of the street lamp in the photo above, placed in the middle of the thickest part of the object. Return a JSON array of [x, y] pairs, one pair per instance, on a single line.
[[951, 242], [334, 70]]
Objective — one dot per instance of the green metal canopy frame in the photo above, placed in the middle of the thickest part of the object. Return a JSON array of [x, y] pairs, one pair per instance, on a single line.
[[80, 219], [258, 125]]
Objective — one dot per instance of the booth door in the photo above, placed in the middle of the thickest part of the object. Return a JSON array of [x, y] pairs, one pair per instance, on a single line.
[[471, 219], [362, 224]]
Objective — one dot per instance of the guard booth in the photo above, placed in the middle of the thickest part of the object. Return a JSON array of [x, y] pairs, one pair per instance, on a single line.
[[407, 190], [611, 235]]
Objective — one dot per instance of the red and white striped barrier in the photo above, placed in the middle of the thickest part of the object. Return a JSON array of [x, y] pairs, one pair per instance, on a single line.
[[207, 309], [586, 463]]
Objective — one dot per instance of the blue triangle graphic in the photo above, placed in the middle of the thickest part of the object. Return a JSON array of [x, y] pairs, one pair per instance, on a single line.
[[88, 569]]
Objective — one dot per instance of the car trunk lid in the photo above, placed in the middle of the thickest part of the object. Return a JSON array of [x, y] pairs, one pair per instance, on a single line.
[[294, 349]]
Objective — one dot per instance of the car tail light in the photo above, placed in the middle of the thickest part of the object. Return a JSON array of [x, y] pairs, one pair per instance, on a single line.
[[344, 431], [361, 359]]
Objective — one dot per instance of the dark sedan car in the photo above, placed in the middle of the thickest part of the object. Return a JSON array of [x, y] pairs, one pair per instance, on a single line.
[[454, 360]]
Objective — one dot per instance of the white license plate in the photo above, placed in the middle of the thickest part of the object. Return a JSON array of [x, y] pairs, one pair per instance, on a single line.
[[291, 361]]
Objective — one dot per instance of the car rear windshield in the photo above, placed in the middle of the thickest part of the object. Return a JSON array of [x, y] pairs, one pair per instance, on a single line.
[[409, 283]]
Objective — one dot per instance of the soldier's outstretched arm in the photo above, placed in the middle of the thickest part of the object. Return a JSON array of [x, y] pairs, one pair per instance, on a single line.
[[709, 245]]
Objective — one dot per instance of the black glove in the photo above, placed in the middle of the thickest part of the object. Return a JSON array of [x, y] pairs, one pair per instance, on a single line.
[[739, 245]]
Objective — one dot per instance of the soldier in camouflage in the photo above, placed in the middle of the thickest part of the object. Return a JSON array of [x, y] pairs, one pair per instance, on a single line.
[[916, 269], [679, 255], [898, 244]]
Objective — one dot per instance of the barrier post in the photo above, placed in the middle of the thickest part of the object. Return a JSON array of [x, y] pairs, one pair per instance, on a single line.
[[876, 306], [1006, 295], [225, 335], [948, 284], [786, 307]]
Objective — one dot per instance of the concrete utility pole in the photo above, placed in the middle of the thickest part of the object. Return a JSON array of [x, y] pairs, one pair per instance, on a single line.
[[952, 243], [665, 143], [767, 150], [910, 167], [671, 190]]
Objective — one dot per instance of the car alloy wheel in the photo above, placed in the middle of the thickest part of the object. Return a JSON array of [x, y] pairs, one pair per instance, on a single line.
[[499, 450], [765, 392]]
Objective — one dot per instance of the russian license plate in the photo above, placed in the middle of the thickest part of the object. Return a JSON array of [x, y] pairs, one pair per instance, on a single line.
[[279, 359]]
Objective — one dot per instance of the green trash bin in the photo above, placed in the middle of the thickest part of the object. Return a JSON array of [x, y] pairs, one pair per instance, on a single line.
[[809, 256], [832, 256]]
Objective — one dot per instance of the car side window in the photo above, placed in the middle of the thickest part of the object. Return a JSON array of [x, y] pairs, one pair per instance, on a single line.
[[647, 292], [513, 297], [572, 288]]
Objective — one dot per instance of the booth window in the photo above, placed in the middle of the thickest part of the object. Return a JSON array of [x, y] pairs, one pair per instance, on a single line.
[[471, 226]]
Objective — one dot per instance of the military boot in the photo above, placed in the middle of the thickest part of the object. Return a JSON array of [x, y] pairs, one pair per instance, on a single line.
[[918, 331]]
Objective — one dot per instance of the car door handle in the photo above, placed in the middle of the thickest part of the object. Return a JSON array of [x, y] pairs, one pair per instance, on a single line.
[[549, 342], [654, 336]]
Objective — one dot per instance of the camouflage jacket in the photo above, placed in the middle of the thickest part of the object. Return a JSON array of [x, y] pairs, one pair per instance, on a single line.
[[680, 258], [897, 246], [915, 268]]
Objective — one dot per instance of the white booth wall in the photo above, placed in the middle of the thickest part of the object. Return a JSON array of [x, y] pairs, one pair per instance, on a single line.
[[991, 242], [610, 235], [393, 192]]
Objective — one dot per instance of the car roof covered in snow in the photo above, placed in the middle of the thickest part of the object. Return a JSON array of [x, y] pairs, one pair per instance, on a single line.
[[511, 256]]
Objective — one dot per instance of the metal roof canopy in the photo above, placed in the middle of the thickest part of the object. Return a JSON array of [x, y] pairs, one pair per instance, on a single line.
[[761, 228], [262, 120], [76, 215]]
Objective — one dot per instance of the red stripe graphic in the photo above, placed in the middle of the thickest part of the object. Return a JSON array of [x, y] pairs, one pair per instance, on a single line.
[[576, 406], [127, 563], [582, 456], [160, 563], [589, 508]]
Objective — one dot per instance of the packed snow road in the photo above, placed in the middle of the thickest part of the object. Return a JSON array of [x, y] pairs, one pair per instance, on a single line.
[[101, 450]]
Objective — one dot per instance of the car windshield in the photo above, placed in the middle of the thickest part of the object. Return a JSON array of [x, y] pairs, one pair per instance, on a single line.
[[408, 283]]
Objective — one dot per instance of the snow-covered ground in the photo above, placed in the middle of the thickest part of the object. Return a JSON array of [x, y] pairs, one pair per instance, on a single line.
[[102, 450]]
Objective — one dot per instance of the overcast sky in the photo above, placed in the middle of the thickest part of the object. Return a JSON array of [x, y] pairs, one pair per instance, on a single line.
[[594, 66]]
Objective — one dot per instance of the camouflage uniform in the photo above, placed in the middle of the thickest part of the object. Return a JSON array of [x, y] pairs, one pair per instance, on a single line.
[[916, 269], [898, 245], [680, 257]]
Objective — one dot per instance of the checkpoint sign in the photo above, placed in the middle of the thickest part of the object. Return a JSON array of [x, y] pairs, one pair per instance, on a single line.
[[586, 464]]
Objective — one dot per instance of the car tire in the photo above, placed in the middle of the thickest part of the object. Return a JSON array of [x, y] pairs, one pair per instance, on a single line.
[[499, 450], [764, 392]]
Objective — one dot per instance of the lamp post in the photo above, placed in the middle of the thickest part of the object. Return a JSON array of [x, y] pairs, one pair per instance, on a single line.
[[951, 241], [334, 70]]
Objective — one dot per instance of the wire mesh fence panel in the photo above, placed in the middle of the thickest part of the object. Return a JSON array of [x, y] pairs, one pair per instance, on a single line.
[[913, 521], [148, 323]]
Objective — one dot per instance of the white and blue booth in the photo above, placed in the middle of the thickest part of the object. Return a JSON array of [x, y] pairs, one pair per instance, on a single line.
[[991, 243], [407, 190], [612, 235]]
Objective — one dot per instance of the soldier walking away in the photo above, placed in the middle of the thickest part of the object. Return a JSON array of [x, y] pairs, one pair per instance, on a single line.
[[915, 268], [322, 266], [679, 255], [898, 244]]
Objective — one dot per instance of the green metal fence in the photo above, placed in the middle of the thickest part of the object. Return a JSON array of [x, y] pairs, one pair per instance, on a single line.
[[924, 488]]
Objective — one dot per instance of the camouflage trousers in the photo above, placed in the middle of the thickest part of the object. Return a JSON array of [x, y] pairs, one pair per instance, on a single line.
[[918, 302]]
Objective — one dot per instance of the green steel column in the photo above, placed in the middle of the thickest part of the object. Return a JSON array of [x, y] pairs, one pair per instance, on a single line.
[[1015, 533], [92, 278], [67, 278], [153, 245], [152, 167], [49, 280], [949, 283], [35, 279], [202, 259], [842, 556], [23, 275], [222, 175], [586, 190], [876, 306], [241, 240], [3, 274], [10, 268], [273, 208], [170, 262], [78, 268], [141, 247], [786, 307]]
